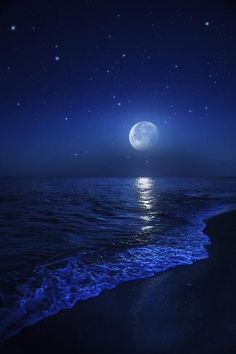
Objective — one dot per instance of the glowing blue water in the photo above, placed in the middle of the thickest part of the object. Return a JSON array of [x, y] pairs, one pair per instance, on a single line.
[[66, 240]]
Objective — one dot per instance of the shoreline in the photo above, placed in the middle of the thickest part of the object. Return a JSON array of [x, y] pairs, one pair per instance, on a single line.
[[185, 309]]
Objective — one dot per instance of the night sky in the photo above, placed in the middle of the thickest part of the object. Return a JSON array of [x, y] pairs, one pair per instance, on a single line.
[[76, 75]]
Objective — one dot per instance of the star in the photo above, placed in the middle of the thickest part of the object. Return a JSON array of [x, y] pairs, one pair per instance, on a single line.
[[207, 23], [13, 28], [57, 58], [123, 55], [66, 118]]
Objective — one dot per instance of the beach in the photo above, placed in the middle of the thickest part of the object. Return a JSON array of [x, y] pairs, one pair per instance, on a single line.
[[188, 309]]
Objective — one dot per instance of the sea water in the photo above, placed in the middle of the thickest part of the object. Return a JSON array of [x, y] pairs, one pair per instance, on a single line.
[[65, 240]]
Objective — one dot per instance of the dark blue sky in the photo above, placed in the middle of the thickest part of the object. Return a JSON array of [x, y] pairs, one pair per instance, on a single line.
[[76, 75]]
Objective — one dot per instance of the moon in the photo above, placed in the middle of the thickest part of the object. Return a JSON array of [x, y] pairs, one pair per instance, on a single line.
[[143, 135]]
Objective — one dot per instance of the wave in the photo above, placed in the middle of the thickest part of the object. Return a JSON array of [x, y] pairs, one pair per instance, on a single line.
[[62, 241], [59, 285]]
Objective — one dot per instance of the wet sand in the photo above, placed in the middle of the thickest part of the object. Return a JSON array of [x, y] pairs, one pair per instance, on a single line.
[[189, 309]]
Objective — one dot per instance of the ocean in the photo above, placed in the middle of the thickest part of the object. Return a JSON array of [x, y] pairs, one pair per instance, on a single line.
[[66, 240]]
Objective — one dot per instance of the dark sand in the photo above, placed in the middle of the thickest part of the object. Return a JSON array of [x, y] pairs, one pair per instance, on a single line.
[[189, 309]]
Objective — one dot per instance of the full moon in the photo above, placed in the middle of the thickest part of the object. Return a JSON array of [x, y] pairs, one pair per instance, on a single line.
[[143, 135]]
